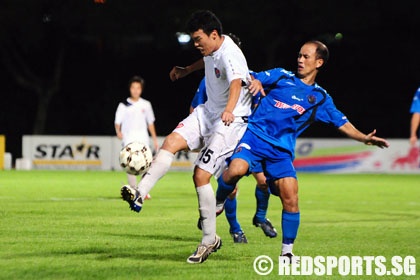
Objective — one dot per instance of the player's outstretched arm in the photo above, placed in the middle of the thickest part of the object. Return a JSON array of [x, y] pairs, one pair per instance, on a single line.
[[369, 139], [178, 72]]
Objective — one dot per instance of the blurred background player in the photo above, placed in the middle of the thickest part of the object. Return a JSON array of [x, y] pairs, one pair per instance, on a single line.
[[294, 102], [134, 120], [261, 191], [415, 118]]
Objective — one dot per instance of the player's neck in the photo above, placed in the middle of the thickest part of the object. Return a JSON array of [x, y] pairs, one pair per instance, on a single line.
[[134, 99], [219, 43], [309, 79]]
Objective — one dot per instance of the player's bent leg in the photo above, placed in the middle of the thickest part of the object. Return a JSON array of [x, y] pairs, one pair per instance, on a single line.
[[227, 182], [288, 190], [235, 229], [173, 143], [262, 195], [236, 170], [160, 166]]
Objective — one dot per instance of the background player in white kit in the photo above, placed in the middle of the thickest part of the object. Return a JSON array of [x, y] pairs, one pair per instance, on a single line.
[[134, 120], [214, 127]]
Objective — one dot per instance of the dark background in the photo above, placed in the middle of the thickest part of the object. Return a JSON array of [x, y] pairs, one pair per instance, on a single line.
[[65, 64]]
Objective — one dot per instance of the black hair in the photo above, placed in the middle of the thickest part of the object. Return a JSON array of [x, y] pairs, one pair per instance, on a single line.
[[136, 79], [205, 20], [235, 39]]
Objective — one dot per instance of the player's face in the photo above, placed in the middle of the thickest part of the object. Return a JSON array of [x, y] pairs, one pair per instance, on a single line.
[[307, 61], [206, 44], [135, 90]]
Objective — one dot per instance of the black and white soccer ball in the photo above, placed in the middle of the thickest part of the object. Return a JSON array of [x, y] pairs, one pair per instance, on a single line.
[[136, 158]]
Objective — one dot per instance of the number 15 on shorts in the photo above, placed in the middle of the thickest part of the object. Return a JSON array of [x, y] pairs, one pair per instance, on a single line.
[[206, 155]]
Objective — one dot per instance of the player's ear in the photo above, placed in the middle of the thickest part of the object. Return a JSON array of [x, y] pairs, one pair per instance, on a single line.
[[214, 35], [319, 63]]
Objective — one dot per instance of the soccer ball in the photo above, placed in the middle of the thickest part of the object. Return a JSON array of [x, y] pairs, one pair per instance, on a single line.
[[136, 158]]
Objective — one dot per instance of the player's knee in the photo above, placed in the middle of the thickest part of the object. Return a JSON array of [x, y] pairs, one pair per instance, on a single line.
[[201, 177], [290, 202], [262, 186], [236, 170], [174, 143]]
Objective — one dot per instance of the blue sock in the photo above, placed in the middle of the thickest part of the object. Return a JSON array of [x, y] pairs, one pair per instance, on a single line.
[[289, 225], [223, 189], [230, 212], [262, 204]]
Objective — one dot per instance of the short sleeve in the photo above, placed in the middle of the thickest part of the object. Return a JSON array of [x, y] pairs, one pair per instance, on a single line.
[[150, 116], [119, 114], [328, 113], [235, 66], [415, 104], [268, 77]]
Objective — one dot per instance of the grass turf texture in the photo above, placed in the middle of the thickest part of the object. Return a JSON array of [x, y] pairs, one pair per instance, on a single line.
[[73, 225]]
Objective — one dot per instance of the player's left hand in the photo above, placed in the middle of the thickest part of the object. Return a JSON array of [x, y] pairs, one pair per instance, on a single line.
[[227, 118], [178, 72], [255, 86], [371, 139]]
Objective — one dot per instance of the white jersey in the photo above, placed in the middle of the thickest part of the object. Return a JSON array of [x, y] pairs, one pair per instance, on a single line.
[[224, 65], [134, 118]]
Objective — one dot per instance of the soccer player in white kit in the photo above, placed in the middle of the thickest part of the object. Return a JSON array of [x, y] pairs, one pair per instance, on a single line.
[[214, 127], [134, 120]]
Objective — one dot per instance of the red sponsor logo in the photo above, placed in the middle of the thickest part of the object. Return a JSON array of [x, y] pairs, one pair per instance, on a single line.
[[410, 160], [296, 107], [180, 125]]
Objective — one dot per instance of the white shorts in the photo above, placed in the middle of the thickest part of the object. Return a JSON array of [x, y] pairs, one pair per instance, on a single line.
[[205, 132]]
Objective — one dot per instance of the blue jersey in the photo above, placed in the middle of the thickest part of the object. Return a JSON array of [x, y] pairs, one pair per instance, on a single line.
[[201, 96], [415, 105], [289, 108]]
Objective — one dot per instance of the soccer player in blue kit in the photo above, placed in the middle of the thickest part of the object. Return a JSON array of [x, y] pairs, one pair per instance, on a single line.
[[294, 102]]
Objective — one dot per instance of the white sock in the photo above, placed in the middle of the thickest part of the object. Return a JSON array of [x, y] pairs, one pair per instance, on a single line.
[[160, 165], [207, 209], [132, 180], [287, 248]]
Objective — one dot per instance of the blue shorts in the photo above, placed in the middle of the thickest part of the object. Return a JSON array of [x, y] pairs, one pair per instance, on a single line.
[[276, 163]]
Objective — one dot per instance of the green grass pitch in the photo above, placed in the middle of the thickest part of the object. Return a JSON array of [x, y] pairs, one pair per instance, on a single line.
[[73, 225]]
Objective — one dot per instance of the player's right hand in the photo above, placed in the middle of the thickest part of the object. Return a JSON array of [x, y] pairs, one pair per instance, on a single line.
[[178, 72], [255, 86], [228, 118]]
